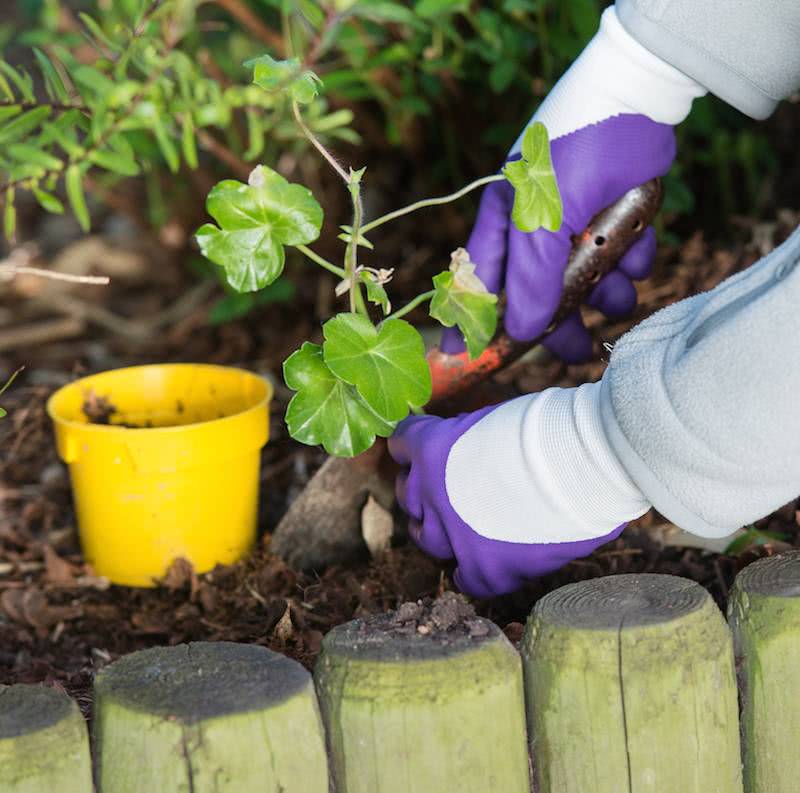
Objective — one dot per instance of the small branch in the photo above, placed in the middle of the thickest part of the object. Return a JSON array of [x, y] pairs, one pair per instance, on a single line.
[[317, 259], [10, 270], [411, 305], [240, 12], [318, 146], [429, 202], [223, 153]]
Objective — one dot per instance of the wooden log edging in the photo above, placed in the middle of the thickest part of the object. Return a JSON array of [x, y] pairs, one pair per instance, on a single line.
[[630, 686], [208, 716], [764, 613], [44, 745], [429, 712]]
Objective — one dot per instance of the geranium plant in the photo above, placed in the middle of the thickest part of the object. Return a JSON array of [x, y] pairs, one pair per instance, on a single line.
[[370, 371]]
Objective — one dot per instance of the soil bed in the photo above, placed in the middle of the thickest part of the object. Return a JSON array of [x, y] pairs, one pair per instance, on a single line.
[[59, 623]]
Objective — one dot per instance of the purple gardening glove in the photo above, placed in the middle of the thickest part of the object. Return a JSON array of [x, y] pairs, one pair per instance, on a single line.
[[486, 567], [594, 167], [517, 490], [604, 142]]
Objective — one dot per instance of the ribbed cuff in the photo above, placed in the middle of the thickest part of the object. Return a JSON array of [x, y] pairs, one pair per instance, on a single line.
[[615, 75]]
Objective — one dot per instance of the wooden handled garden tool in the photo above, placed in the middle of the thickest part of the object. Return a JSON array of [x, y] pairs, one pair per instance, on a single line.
[[323, 525]]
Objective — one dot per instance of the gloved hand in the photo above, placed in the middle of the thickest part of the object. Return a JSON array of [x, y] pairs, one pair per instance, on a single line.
[[610, 121], [513, 491]]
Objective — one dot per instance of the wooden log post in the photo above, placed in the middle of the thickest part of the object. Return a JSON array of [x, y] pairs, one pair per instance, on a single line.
[[410, 707], [764, 612], [208, 717], [44, 745], [631, 688]]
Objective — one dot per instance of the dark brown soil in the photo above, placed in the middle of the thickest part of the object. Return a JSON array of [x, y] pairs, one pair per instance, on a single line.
[[98, 409], [449, 615]]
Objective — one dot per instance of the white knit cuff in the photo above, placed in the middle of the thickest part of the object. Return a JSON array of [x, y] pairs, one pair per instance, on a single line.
[[539, 469], [614, 75]]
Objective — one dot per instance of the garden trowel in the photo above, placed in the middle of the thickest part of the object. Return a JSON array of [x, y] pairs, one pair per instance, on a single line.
[[323, 525]]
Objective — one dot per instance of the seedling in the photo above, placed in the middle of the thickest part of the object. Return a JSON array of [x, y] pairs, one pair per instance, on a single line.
[[368, 374], [5, 387]]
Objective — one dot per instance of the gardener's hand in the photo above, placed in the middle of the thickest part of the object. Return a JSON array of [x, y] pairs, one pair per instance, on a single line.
[[610, 121], [513, 491]]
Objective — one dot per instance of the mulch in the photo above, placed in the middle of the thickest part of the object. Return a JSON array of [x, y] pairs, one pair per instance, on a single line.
[[60, 623]]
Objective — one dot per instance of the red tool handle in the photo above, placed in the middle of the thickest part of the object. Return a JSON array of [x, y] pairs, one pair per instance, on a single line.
[[595, 252]]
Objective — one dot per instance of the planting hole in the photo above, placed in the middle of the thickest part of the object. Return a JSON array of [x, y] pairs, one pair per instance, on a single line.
[[637, 226], [599, 240]]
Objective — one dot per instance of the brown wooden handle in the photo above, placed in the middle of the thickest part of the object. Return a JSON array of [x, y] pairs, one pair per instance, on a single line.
[[595, 252]]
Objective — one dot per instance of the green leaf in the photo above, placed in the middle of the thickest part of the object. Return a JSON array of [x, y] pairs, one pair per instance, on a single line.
[[113, 161], [168, 149], [188, 141], [53, 82], [432, 8], [375, 291], [462, 299], [98, 32], [387, 365], [501, 75], [77, 199], [48, 201], [326, 410], [255, 135], [289, 76], [347, 236], [9, 111], [537, 200], [255, 221], [25, 152], [23, 125], [236, 305], [22, 81], [93, 79]]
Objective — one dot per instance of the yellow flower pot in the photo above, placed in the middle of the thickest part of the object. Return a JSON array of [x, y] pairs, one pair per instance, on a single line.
[[180, 480]]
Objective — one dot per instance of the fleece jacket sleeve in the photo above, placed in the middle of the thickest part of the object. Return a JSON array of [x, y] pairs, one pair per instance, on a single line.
[[701, 401], [747, 52]]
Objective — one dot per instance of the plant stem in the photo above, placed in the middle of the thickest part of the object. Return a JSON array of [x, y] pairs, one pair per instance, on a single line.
[[317, 259], [317, 145], [411, 305], [351, 263], [429, 202]]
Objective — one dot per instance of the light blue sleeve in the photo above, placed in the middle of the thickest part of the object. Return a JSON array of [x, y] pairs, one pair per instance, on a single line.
[[701, 401], [747, 52]]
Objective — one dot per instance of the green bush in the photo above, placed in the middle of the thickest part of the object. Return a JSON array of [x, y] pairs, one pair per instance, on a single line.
[[137, 88]]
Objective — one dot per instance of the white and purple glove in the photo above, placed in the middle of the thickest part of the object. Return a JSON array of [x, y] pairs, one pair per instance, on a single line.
[[513, 491], [610, 120], [518, 490]]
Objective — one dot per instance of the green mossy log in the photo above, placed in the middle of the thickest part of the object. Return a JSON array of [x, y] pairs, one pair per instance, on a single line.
[[631, 688], [44, 745], [208, 717], [424, 713], [764, 612]]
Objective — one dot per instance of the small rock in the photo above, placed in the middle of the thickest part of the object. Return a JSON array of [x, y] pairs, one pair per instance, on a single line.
[[409, 612]]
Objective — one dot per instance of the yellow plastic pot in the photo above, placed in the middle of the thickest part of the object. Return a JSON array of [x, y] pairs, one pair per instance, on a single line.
[[182, 481]]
